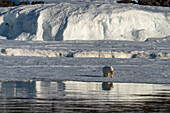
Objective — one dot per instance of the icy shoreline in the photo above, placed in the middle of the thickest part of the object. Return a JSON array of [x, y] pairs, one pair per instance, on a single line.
[[84, 21]]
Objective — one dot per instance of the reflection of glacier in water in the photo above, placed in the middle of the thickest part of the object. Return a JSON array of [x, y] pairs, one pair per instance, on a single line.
[[70, 95], [46, 89], [18, 89]]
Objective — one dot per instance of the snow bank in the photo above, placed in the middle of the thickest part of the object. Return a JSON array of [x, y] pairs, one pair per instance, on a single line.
[[84, 21], [56, 1], [85, 54], [154, 48]]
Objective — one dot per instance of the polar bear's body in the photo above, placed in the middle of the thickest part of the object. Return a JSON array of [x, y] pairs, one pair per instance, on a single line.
[[108, 70]]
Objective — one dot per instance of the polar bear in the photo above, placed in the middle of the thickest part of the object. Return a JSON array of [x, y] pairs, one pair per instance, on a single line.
[[108, 70]]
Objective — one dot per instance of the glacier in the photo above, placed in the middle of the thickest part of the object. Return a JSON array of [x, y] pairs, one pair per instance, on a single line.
[[84, 21]]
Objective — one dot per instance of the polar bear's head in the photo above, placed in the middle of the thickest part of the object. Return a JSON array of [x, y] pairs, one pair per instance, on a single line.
[[111, 70]]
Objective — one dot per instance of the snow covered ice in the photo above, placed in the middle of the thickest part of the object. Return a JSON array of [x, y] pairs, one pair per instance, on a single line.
[[74, 40], [84, 21], [151, 48], [142, 62]]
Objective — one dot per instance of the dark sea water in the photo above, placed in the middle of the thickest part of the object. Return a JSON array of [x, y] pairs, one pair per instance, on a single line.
[[83, 97]]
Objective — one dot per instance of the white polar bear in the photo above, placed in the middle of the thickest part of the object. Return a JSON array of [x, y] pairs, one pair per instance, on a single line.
[[108, 70]]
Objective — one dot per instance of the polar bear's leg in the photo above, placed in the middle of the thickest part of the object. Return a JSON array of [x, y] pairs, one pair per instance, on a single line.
[[107, 74], [104, 74], [111, 75]]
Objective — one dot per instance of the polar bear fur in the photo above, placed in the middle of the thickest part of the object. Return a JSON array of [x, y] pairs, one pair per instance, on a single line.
[[108, 70]]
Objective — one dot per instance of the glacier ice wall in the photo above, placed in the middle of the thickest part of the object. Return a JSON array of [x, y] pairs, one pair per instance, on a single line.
[[84, 21]]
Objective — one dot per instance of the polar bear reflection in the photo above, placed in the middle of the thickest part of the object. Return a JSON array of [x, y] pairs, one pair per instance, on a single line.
[[107, 86]]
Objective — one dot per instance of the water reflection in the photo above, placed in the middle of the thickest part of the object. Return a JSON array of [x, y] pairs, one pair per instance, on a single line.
[[18, 89], [107, 85], [60, 89], [69, 96], [47, 89]]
